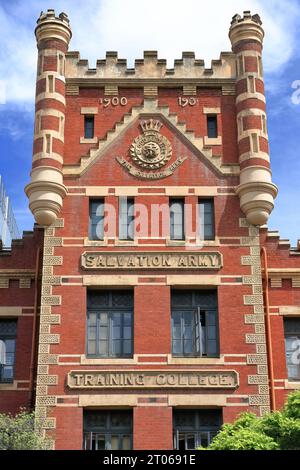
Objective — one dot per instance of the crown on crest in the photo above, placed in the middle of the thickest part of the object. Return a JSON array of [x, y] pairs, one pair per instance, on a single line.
[[151, 125]]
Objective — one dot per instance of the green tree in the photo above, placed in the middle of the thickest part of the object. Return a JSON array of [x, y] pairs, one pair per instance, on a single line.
[[279, 430], [20, 432]]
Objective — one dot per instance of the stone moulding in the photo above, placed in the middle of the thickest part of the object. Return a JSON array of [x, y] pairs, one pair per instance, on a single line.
[[154, 260], [208, 379]]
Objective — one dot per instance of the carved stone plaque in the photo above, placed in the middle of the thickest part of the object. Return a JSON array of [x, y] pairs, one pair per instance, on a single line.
[[154, 260], [90, 379], [151, 150]]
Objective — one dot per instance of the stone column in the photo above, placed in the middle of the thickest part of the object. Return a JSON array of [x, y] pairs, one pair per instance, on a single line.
[[46, 189], [256, 190]]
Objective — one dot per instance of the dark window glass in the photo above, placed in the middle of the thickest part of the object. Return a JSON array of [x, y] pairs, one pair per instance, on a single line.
[[126, 218], [212, 127], [89, 127], [110, 324], [206, 219], [177, 219], [292, 347], [96, 228], [8, 334], [194, 324], [195, 428], [107, 430]]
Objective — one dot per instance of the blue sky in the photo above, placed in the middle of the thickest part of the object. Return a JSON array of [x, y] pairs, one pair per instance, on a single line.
[[170, 26]]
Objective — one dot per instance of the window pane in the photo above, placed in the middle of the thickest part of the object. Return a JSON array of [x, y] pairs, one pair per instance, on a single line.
[[116, 347], [89, 127], [127, 347], [126, 444], [190, 441], [92, 347], [126, 218], [115, 442], [177, 346], [177, 220], [212, 127], [96, 231], [206, 219], [103, 348]]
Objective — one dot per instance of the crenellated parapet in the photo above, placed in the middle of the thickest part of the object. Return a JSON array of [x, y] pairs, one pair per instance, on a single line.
[[150, 67], [46, 189], [256, 190]]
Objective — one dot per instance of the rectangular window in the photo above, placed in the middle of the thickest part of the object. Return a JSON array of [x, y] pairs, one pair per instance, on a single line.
[[264, 124], [96, 226], [212, 126], [89, 124], [48, 143], [194, 323], [61, 64], [260, 67], [110, 324], [254, 139], [292, 347], [251, 84], [241, 65], [206, 219], [107, 430], [8, 335], [50, 83], [177, 219], [195, 428], [126, 218]]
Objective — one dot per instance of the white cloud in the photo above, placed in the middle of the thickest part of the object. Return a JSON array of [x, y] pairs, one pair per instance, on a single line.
[[132, 26]]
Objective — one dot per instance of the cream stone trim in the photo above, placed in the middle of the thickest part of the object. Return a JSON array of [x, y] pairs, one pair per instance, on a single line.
[[216, 110], [88, 110], [291, 385], [89, 401], [56, 134], [108, 361], [247, 156], [247, 95], [127, 191], [119, 242], [205, 191], [83, 140], [191, 280], [198, 400], [289, 310], [52, 73], [52, 156], [209, 141], [195, 360], [14, 386], [52, 96], [170, 242], [10, 311], [88, 242], [104, 280], [150, 106], [150, 69], [95, 190]]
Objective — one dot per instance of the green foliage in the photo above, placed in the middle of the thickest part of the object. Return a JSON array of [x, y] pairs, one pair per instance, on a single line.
[[19, 432], [279, 430]]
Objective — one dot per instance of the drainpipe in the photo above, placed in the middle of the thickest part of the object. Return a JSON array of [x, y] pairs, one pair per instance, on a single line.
[[34, 330], [263, 253]]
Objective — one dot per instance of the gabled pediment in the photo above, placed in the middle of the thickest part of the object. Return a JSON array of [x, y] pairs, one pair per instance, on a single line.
[[149, 109]]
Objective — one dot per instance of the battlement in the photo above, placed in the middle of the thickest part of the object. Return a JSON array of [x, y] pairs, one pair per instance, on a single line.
[[246, 17], [50, 16], [150, 67]]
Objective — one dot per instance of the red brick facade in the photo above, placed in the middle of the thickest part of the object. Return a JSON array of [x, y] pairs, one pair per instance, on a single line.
[[92, 170]]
